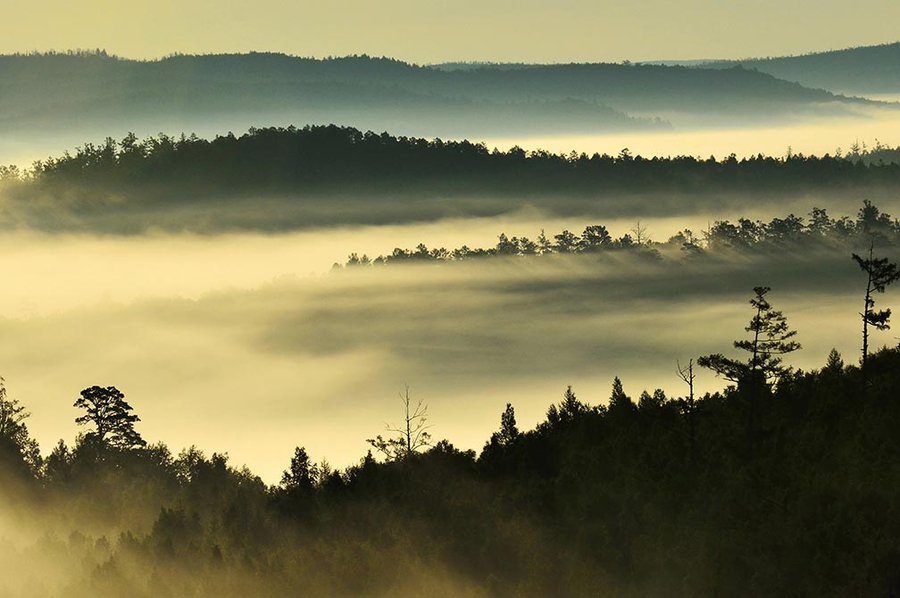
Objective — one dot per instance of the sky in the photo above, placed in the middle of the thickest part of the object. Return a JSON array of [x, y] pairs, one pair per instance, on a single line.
[[427, 31]]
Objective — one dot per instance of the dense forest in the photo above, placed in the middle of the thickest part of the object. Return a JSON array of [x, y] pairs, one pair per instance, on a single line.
[[771, 487], [782, 483], [791, 232], [340, 159], [669, 418], [278, 179]]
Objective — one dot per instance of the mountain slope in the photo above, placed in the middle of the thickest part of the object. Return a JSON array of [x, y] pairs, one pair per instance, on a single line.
[[860, 71], [237, 91]]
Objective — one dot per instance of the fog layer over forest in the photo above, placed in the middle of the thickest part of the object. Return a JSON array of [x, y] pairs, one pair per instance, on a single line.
[[271, 298], [250, 337]]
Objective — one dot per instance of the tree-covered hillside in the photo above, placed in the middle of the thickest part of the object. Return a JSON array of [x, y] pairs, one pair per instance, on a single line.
[[334, 158], [644, 495], [99, 92], [859, 71], [288, 178]]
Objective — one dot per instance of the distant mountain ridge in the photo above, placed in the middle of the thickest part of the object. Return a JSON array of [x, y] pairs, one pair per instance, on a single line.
[[241, 90], [861, 70]]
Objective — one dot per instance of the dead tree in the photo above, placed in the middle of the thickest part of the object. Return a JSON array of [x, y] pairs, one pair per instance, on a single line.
[[688, 405], [410, 436]]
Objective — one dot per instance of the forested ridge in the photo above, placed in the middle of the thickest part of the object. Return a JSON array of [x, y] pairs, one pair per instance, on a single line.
[[865, 69], [792, 232], [335, 159], [93, 82]]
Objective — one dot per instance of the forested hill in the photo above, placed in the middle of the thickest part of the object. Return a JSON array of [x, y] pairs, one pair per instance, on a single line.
[[863, 70], [42, 92], [756, 491], [340, 159], [288, 178]]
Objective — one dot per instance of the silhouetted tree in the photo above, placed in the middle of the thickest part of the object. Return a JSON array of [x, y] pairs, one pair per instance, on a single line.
[[411, 436], [508, 433], [595, 237], [771, 339], [302, 475], [14, 436], [835, 362], [640, 233], [111, 416], [619, 402], [566, 242], [880, 273], [688, 405], [544, 246], [569, 409]]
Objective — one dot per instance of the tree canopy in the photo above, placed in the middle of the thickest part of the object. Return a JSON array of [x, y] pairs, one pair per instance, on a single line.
[[111, 416]]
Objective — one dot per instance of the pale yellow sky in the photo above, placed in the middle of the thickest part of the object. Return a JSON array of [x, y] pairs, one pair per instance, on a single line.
[[438, 30]]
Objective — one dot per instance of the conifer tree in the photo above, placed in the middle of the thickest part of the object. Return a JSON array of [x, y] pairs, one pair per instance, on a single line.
[[618, 400], [302, 474], [509, 432], [770, 339], [14, 433], [880, 274]]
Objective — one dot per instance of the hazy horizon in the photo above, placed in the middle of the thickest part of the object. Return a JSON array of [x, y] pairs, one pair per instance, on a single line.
[[469, 299], [485, 31]]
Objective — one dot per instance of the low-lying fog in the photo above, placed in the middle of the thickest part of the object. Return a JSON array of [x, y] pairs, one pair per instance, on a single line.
[[250, 344], [806, 136], [689, 135]]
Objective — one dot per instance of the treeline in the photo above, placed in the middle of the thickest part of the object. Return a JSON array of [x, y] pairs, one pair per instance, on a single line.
[[607, 499], [783, 483], [870, 225], [333, 159]]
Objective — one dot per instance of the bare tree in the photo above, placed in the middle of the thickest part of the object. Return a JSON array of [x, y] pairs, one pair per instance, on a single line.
[[410, 436], [688, 405], [640, 233]]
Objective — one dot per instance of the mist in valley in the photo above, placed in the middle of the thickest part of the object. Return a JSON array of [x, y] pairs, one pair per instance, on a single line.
[[271, 301], [254, 336]]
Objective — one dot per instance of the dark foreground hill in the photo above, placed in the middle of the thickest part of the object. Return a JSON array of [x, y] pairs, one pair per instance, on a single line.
[[654, 496]]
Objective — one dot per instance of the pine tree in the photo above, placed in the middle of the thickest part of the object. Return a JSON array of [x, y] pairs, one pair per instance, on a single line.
[[770, 339], [302, 474], [835, 362], [509, 432], [14, 434], [111, 415], [568, 410], [881, 273], [618, 400]]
